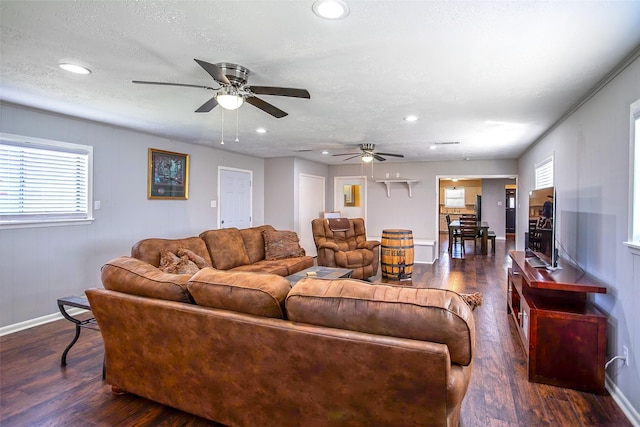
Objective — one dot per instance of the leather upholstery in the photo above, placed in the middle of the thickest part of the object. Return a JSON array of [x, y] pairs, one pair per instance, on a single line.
[[259, 294], [148, 250], [436, 315], [346, 249], [136, 277], [245, 370], [226, 248]]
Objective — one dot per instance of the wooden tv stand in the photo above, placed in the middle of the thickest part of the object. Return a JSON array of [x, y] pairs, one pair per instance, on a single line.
[[563, 334]]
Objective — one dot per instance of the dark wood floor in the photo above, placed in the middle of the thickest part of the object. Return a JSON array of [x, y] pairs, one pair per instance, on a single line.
[[36, 391]]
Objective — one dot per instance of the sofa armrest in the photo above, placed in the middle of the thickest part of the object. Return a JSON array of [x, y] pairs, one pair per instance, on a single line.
[[329, 245], [369, 244]]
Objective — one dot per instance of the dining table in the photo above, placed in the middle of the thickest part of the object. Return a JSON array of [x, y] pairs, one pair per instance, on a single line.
[[482, 228]]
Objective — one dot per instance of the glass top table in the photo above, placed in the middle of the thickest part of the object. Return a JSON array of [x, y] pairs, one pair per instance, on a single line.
[[321, 273]]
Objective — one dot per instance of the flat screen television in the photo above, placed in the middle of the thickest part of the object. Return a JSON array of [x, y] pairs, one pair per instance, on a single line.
[[541, 239]]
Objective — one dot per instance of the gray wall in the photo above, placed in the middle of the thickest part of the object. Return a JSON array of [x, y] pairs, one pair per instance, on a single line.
[[592, 172], [420, 212], [39, 265], [282, 189], [493, 204]]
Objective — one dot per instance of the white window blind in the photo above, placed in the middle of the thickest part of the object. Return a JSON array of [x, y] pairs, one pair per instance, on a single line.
[[43, 181], [454, 198], [544, 173]]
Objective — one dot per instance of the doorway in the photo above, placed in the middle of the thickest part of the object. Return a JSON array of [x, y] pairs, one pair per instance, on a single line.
[[234, 194], [310, 207], [510, 208]]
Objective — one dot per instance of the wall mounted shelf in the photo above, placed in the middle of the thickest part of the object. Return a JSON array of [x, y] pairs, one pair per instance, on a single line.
[[388, 183]]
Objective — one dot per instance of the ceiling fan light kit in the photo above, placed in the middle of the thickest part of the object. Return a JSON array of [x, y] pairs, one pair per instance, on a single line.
[[229, 99]]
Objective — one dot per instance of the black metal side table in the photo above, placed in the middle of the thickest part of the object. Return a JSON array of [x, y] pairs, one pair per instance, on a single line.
[[80, 302]]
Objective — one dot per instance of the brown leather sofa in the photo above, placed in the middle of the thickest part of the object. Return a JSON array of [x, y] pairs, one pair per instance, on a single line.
[[252, 351], [224, 249], [342, 242]]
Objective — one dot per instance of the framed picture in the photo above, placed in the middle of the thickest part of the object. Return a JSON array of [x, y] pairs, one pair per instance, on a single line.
[[168, 175]]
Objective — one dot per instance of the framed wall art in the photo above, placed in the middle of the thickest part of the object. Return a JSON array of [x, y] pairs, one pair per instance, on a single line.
[[168, 175]]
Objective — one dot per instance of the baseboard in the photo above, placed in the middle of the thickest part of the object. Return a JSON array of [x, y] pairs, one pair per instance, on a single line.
[[623, 402], [10, 329]]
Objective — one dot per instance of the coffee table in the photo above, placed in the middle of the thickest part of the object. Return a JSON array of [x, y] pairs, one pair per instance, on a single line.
[[321, 273]]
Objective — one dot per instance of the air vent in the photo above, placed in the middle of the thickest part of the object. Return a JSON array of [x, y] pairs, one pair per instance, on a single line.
[[447, 143], [304, 150]]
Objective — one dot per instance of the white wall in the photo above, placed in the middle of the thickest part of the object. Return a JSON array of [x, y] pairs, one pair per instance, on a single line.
[[418, 213], [591, 162], [40, 265]]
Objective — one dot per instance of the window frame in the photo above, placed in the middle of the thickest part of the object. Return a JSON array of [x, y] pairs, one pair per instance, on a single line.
[[633, 238], [446, 199], [544, 169], [44, 144]]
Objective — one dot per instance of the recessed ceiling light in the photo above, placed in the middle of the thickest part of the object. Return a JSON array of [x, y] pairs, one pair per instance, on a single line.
[[325, 152], [433, 147], [74, 68], [330, 9], [411, 118], [261, 130]]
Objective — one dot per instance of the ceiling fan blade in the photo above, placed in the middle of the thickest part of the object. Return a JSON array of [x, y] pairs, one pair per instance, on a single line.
[[208, 106], [170, 84], [391, 154], [266, 107], [280, 91], [352, 157], [214, 71], [347, 154], [379, 158]]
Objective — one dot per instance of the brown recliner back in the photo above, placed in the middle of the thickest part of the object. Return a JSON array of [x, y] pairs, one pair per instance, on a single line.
[[347, 248]]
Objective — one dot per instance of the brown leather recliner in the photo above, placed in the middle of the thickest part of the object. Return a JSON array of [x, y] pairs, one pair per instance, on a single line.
[[343, 243]]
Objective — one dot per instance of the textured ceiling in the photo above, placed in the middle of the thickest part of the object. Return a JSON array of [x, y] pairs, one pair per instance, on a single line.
[[492, 75]]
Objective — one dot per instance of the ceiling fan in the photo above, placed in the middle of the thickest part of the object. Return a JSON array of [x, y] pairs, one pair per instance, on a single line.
[[234, 90], [367, 154]]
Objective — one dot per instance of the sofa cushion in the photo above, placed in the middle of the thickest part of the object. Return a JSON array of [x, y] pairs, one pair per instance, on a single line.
[[136, 277], [226, 248], [148, 250], [435, 315], [281, 245], [251, 293], [254, 242]]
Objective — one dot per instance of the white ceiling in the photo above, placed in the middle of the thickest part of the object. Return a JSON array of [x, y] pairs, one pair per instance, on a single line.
[[493, 75]]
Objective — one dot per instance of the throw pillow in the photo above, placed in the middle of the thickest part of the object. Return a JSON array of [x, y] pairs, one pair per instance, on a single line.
[[281, 245], [197, 259], [171, 263]]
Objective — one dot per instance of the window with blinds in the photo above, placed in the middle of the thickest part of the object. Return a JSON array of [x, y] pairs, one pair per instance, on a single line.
[[43, 181], [544, 173], [454, 198]]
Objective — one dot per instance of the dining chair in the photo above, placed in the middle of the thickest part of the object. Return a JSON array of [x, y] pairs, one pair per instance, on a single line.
[[469, 231], [456, 233]]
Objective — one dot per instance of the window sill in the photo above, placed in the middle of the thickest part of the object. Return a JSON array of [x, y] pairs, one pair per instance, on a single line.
[[634, 247], [45, 223]]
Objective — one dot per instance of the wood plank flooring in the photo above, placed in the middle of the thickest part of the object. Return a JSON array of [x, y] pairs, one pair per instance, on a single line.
[[36, 391]]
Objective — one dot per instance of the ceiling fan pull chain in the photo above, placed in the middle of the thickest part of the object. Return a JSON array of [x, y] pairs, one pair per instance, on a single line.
[[237, 140], [222, 131]]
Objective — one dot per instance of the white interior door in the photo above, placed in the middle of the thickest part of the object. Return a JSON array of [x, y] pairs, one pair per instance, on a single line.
[[311, 204], [350, 205], [234, 195]]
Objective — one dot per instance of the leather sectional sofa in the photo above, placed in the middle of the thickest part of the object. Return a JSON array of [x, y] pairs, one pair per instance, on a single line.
[[244, 349]]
